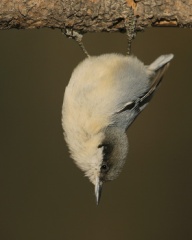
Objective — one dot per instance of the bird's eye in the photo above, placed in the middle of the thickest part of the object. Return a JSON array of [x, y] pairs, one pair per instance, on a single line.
[[104, 168]]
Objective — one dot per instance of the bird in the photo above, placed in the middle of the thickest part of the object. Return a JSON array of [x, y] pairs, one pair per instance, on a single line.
[[104, 96]]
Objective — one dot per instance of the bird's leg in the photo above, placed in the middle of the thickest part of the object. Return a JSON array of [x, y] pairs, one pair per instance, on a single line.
[[70, 33], [130, 23]]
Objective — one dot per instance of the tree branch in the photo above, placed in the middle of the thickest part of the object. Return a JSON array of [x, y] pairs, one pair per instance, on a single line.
[[93, 15]]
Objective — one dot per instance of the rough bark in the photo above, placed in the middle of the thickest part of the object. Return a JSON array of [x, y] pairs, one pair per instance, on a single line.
[[93, 15]]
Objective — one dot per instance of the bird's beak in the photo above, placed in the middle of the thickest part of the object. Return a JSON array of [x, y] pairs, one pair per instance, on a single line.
[[98, 190]]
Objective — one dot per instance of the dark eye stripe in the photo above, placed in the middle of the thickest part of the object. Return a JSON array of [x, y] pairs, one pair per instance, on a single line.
[[107, 149]]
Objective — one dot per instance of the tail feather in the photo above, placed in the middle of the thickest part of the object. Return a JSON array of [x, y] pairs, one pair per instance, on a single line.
[[160, 62]]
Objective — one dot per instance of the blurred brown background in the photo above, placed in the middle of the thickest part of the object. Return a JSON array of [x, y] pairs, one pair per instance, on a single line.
[[43, 195]]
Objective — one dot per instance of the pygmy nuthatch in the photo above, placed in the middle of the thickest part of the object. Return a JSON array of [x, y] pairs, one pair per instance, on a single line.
[[104, 96]]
